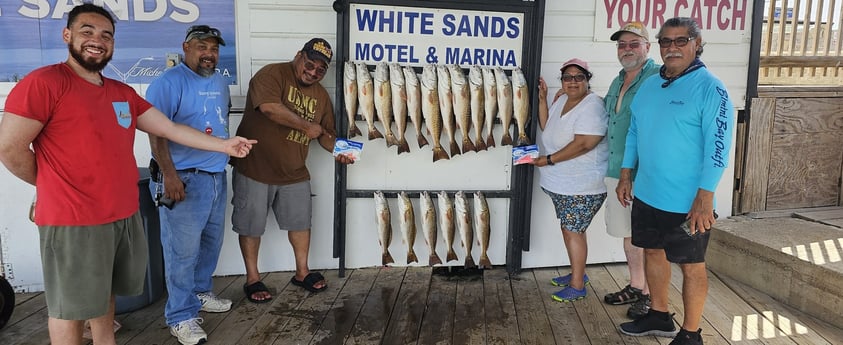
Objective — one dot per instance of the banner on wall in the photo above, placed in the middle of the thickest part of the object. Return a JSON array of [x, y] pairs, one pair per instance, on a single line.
[[146, 33], [721, 21], [417, 36]]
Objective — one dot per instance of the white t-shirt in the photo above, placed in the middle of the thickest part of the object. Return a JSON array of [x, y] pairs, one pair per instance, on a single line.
[[582, 175]]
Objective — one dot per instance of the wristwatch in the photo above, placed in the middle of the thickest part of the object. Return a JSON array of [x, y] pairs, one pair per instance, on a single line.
[[549, 162]]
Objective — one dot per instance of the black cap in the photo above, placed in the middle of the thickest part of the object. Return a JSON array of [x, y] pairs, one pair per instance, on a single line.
[[202, 32], [318, 49]]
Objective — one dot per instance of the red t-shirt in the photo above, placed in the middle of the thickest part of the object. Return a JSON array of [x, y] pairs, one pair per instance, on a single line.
[[87, 173]]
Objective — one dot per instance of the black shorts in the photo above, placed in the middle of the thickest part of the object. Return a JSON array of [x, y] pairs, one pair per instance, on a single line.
[[656, 229]]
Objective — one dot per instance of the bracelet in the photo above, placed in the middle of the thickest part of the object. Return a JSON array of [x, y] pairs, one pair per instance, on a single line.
[[549, 162]]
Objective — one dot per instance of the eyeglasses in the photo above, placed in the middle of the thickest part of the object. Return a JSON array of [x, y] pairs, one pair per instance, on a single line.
[[679, 41], [569, 78], [632, 45], [202, 30], [310, 66]]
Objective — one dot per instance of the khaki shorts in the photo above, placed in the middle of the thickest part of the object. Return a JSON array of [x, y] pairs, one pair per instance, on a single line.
[[252, 201], [618, 218], [85, 265]]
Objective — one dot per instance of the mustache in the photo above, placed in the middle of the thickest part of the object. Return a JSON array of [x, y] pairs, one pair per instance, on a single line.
[[672, 55]]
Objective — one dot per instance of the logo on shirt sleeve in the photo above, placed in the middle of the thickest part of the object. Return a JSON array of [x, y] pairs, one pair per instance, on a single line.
[[121, 111]]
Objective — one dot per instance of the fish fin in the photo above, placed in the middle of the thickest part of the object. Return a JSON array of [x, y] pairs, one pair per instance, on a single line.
[[434, 259], [469, 262], [411, 257], [455, 148], [506, 139], [422, 140], [387, 259], [490, 140], [522, 140], [439, 153], [467, 145], [485, 263], [374, 133], [452, 255], [403, 146]]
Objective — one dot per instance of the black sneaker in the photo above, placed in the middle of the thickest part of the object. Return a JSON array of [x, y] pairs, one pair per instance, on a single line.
[[639, 308], [687, 338], [651, 324]]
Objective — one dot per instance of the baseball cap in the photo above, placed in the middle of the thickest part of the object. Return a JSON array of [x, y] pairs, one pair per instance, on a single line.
[[576, 62], [632, 27], [318, 49], [202, 32]]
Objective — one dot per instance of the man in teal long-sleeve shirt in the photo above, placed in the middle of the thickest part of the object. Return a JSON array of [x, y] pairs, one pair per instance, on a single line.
[[680, 138], [633, 43]]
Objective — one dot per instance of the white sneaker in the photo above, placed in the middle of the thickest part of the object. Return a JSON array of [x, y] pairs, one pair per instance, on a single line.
[[188, 332], [213, 304]]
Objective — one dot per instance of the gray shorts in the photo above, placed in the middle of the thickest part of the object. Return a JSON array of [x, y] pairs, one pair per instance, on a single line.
[[252, 201], [85, 265]]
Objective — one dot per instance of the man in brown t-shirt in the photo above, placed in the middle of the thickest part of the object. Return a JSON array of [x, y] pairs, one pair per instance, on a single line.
[[286, 108]]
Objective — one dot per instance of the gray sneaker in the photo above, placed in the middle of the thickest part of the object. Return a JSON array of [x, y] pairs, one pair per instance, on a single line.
[[188, 332], [213, 304]]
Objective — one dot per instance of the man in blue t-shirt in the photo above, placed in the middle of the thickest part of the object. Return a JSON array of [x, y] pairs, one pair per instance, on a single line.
[[190, 186], [680, 137]]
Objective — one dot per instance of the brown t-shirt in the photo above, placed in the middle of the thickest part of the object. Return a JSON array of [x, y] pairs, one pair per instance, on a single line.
[[279, 156]]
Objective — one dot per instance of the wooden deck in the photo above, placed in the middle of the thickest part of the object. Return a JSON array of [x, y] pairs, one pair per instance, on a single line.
[[425, 306]]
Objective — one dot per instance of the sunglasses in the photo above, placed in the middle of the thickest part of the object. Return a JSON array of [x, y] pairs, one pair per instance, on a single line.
[[569, 78], [203, 29], [679, 41], [310, 66], [632, 45]]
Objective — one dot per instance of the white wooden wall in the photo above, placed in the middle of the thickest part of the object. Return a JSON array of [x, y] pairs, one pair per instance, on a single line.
[[272, 31]]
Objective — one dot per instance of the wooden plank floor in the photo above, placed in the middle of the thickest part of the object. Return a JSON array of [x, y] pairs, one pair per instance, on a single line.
[[426, 306]]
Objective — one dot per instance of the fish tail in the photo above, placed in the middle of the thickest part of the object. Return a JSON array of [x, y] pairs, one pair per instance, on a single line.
[[506, 139], [451, 255], [353, 131], [480, 146], [439, 153], [522, 140], [467, 145], [374, 133], [422, 140], [403, 146], [485, 263], [411, 257], [434, 259], [490, 140], [390, 140], [469, 262], [455, 148], [387, 258]]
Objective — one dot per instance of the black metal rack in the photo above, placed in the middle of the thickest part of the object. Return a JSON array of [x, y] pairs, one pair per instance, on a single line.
[[521, 186]]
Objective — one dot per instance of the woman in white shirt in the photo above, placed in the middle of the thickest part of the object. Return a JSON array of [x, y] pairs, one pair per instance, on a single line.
[[572, 171]]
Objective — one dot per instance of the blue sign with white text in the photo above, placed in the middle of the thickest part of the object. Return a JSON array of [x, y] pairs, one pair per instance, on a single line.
[[145, 32]]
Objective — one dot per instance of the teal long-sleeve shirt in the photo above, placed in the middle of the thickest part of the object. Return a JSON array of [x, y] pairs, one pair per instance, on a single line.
[[619, 120], [680, 137]]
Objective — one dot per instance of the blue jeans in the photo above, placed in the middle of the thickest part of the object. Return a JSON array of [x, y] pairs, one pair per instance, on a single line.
[[191, 238]]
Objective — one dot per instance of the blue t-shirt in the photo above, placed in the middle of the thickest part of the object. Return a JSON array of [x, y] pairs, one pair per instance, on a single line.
[[199, 102], [681, 137]]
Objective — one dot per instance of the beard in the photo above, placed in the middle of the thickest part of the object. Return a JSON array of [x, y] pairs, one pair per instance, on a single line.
[[90, 65], [632, 62], [206, 72]]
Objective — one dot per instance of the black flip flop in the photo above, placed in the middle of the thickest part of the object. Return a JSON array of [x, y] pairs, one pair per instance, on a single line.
[[253, 288], [310, 281]]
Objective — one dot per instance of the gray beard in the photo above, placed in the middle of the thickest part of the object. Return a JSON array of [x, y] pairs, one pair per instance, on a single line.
[[206, 72]]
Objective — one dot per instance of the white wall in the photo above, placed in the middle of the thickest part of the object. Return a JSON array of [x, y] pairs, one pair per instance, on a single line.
[[272, 31]]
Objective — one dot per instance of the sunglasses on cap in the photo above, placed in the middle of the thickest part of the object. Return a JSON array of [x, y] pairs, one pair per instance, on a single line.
[[201, 30]]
